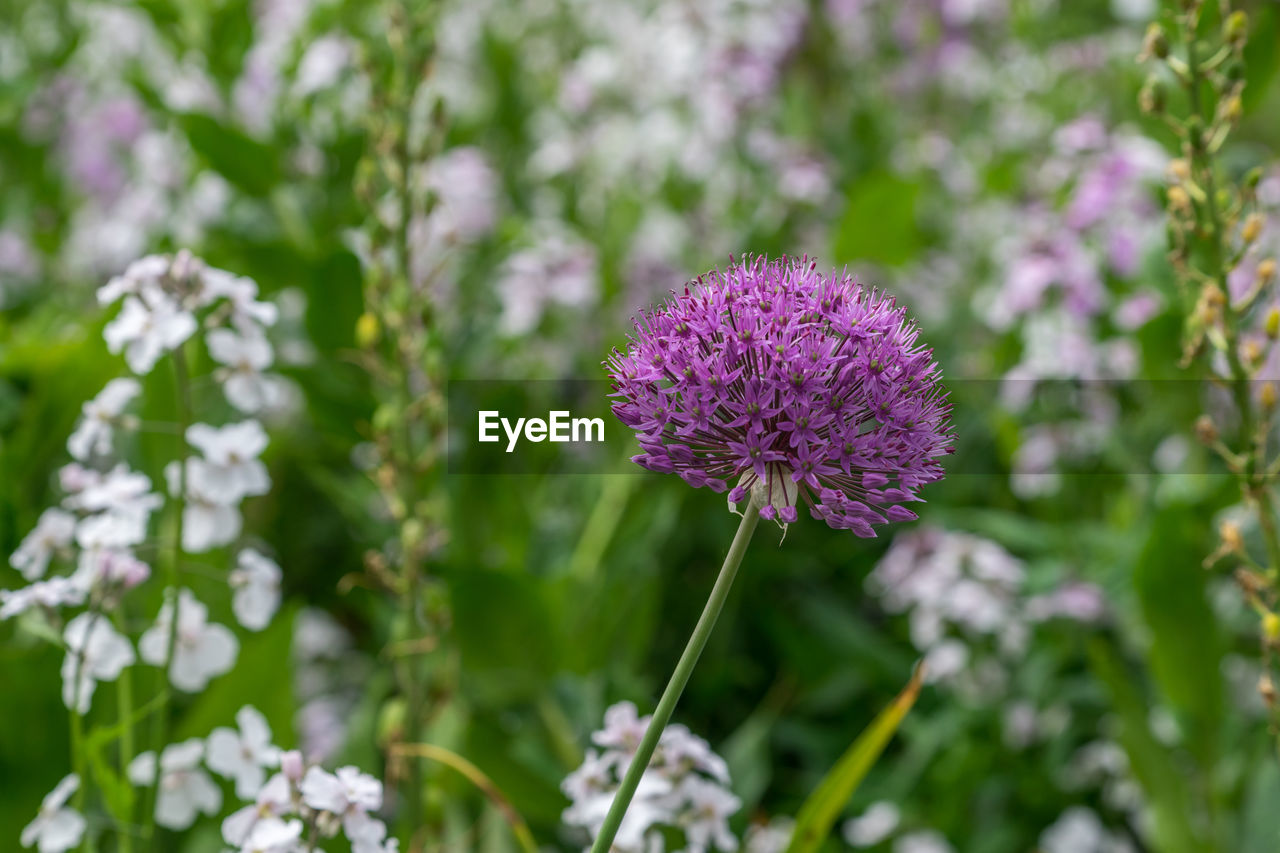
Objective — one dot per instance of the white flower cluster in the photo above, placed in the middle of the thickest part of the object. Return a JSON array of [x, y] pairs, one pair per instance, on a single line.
[[107, 509], [161, 296], [280, 806], [960, 589], [685, 787]]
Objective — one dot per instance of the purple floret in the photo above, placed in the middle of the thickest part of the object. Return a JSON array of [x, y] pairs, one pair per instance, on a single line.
[[772, 378]]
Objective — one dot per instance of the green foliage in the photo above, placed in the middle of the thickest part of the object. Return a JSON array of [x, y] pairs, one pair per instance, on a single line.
[[818, 815]]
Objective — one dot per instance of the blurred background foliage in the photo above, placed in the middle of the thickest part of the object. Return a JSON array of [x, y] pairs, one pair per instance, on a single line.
[[939, 148]]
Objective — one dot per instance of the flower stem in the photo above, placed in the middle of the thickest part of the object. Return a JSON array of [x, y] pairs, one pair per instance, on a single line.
[[679, 678], [124, 703], [1252, 478], [160, 727]]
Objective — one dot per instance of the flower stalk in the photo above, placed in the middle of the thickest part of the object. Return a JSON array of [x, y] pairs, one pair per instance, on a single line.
[[1212, 225], [680, 676], [401, 343], [160, 725]]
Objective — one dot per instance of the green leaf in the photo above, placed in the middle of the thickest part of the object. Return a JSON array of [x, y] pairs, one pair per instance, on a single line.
[[879, 222], [117, 792], [746, 752], [249, 164], [1261, 57], [820, 810], [1185, 653], [504, 632], [1259, 818], [1162, 781]]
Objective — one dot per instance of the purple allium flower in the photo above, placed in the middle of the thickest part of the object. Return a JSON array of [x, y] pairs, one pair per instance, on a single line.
[[774, 379]]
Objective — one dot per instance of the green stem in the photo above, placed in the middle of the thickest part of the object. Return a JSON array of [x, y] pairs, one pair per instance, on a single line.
[[679, 678], [601, 525], [124, 705], [1253, 481], [160, 725]]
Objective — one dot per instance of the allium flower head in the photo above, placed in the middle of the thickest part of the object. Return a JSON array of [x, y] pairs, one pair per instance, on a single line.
[[772, 379]]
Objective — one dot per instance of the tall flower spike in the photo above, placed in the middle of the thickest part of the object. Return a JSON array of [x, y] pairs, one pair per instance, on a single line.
[[772, 378]]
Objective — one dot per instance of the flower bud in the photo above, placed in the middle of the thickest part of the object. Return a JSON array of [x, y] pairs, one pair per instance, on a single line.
[[1209, 307], [1271, 627], [1251, 352], [1233, 109], [1266, 271], [1179, 201], [1206, 432], [1178, 170], [1267, 690], [1155, 43], [291, 765], [391, 722], [1151, 98], [1236, 28], [1232, 538], [1273, 323], [367, 330], [1252, 178], [1267, 397], [1252, 228]]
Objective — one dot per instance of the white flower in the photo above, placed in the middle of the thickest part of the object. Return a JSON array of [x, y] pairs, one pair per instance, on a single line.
[[201, 650], [348, 794], [922, 841], [275, 799], [99, 417], [623, 728], [56, 827], [242, 755], [148, 325], [322, 64], [682, 750], [53, 532], [144, 271], [466, 190], [647, 809], [95, 652], [773, 837], [273, 835], [873, 826], [206, 523], [256, 582], [115, 530], [369, 835], [245, 356], [591, 778], [122, 500], [1079, 830], [53, 592], [945, 661], [184, 790], [230, 469], [686, 786], [109, 566], [241, 294], [706, 821]]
